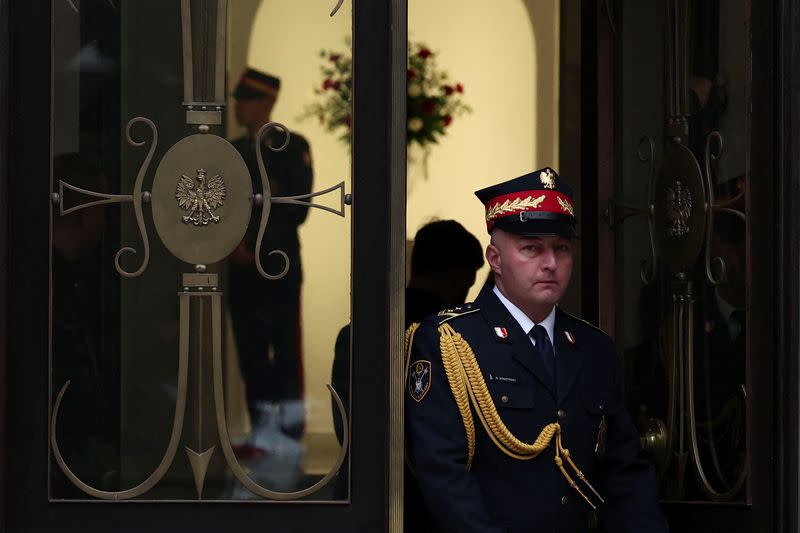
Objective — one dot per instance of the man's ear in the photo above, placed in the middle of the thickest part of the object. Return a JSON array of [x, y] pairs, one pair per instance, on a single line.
[[493, 258]]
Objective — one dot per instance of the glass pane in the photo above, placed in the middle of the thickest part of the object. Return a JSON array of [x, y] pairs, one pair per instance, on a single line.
[[190, 373], [684, 331]]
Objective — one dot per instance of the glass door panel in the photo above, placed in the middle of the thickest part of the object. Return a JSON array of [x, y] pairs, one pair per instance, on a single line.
[[679, 215], [199, 284]]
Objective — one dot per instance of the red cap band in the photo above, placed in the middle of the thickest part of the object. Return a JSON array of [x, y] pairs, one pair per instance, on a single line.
[[541, 201]]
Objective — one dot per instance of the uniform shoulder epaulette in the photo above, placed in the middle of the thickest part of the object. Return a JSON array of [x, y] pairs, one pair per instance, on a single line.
[[447, 315], [584, 322]]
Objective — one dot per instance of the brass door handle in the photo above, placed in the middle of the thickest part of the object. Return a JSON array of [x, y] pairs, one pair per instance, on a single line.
[[654, 442]]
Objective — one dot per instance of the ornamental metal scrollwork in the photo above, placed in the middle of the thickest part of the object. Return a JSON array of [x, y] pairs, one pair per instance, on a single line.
[[336, 7], [201, 197], [677, 441], [267, 199], [137, 198]]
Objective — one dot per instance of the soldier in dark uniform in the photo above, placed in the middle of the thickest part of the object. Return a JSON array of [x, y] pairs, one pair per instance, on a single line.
[[514, 408], [265, 313]]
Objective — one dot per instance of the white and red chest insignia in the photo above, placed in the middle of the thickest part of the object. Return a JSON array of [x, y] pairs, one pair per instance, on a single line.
[[501, 332]]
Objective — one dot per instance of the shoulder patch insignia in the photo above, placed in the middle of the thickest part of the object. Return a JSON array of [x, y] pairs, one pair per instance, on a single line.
[[419, 379]]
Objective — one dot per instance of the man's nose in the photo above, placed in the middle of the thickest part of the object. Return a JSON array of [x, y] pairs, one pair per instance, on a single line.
[[549, 260]]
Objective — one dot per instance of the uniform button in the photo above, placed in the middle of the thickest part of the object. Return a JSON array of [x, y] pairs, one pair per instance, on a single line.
[[504, 398], [564, 500], [562, 414]]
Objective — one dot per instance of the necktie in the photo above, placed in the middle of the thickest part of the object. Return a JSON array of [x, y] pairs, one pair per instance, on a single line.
[[545, 349]]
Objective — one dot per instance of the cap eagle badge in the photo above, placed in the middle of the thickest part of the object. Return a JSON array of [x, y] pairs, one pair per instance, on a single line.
[[547, 179]]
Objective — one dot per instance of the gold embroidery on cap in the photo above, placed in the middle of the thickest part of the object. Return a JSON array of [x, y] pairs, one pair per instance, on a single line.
[[566, 206], [514, 205]]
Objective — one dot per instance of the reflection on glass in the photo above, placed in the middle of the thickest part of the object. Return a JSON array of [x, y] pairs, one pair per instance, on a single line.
[[709, 302], [80, 295], [117, 340], [266, 313]]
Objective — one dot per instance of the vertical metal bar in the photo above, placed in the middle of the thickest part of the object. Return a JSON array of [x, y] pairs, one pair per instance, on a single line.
[[219, 68], [397, 261], [188, 67], [672, 410], [4, 150], [379, 31], [200, 342], [680, 353], [606, 135], [684, 57], [670, 60], [203, 92]]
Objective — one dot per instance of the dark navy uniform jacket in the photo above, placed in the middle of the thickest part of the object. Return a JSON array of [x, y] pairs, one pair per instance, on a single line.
[[502, 494]]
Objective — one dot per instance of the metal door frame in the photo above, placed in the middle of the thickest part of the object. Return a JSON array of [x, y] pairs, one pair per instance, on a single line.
[[5, 109], [379, 51]]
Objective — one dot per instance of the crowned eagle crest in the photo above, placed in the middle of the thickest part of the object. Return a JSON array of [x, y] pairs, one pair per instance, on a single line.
[[547, 179], [679, 209], [199, 197]]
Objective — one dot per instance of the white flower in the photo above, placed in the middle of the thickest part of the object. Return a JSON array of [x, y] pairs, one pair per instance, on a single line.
[[415, 124], [414, 90]]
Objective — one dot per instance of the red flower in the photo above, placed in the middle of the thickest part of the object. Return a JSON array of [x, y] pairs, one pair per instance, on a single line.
[[448, 90], [334, 57], [447, 120], [412, 74], [348, 121], [327, 84], [424, 53], [336, 85], [459, 88], [428, 105]]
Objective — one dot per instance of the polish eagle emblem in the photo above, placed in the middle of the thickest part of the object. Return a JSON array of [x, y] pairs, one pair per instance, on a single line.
[[199, 197], [679, 209], [547, 179]]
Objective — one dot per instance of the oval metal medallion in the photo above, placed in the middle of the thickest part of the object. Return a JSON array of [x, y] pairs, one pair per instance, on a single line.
[[679, 209], [202, 199]]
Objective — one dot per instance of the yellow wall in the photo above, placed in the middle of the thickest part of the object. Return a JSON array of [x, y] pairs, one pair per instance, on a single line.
[[491, 47], [510, 74]]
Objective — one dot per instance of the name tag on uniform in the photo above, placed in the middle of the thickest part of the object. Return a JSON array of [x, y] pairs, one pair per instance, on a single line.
[[504, 379]]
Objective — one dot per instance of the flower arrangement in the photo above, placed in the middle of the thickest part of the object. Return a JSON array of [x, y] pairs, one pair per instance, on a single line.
[[433, 101]]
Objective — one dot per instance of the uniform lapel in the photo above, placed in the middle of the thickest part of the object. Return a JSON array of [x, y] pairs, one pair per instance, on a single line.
[[522, 351], [569, 358]]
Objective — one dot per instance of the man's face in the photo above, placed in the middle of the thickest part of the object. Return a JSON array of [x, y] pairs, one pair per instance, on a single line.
[[253, 112], [532, 272]]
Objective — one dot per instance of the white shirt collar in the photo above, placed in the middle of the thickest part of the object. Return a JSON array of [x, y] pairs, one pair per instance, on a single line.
[[523, 320]]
